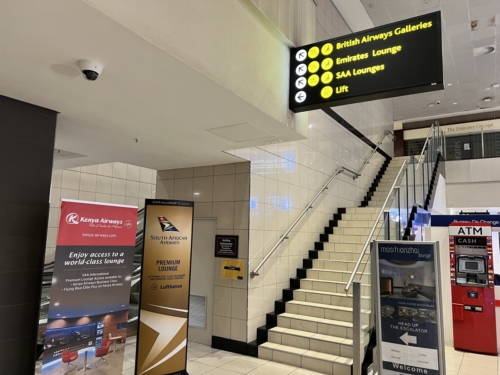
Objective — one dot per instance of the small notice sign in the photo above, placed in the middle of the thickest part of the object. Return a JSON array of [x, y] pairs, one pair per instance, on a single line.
[[232, 269], [226, 246]]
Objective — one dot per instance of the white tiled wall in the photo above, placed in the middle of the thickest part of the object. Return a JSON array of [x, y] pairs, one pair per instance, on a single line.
[[285, 177], [108, 183], [221, 192]]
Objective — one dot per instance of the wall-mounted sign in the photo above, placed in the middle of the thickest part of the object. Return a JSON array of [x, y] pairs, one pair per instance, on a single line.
[[165, 283], [226, 246], [408, 308], [446, 220], [232, 269], [401, 58]]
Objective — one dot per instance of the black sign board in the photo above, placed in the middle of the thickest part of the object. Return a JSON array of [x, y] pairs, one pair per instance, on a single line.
[[226, 246], [409, 319], [398, 59]]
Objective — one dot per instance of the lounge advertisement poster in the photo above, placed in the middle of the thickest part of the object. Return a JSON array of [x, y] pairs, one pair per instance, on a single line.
[[408, 308], [90, 294], [166, 272]]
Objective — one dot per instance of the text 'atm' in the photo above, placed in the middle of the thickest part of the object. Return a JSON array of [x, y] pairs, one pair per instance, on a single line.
[[472, 287]]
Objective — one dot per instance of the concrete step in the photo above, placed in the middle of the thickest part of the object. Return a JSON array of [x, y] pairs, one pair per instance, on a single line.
[[343, 256], [332, 275], [356, 223], [342, 247], [344, 238], [337, 265], [316, 325], [317, 342], [315, 361], [330, 286], [361, 210], [361, 217], [353, 231], [327, 298]]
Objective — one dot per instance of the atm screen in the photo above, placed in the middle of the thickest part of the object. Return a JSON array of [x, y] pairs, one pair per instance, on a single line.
[[471, 265]]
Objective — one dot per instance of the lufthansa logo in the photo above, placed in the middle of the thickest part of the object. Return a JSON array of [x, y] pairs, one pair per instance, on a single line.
[[73, 218]]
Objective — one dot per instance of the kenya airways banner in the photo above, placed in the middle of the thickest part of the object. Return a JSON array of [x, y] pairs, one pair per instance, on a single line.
[[90, 294], [166, 272]]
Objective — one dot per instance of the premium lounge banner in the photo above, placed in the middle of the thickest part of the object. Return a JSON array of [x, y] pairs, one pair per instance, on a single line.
[[90, 294], [166, 271]]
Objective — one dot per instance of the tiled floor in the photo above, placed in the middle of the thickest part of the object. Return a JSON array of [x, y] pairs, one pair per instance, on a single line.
[[460, 363], [207, 361]]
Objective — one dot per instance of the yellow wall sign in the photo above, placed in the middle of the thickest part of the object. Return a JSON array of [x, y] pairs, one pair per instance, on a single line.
[[233, 269]]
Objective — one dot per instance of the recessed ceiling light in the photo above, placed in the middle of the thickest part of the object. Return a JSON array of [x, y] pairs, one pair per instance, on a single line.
[[487, 99], [495, 85], [455, 103], [196, 193], [371, 5], [56, 304], [431, 105], [425, 2], [449, 84], [487, 89]]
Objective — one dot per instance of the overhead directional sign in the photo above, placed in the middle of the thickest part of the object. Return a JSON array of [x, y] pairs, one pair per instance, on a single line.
[[401, 58]]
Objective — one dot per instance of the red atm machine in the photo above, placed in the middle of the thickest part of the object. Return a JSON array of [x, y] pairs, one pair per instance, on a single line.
[[472, 288]]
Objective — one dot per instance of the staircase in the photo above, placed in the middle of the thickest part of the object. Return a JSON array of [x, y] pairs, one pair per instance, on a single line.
[[311, 326]]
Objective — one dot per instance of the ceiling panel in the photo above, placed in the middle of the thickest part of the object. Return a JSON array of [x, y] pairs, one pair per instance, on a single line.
[[467, 25]]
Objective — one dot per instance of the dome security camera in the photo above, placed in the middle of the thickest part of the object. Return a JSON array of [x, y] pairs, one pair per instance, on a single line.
[[90, 69]]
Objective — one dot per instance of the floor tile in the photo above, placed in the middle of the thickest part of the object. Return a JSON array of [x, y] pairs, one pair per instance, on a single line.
[[195, 368], [215, 360], [195, 354], [219, 371], [272, 370], [241, 366], [474, 370]]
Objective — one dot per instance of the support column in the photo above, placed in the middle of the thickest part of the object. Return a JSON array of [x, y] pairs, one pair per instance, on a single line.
[[27, 134]]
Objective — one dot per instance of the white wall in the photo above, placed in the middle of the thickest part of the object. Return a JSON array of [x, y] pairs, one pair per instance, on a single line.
[[473, 183], [107, 183]]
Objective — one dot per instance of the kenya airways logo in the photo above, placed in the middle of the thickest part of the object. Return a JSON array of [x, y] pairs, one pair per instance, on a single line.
[[166, 225], [73, 218]]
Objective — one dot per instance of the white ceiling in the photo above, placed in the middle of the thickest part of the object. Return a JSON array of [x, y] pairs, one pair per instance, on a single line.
[[470, 78], [143, 91]]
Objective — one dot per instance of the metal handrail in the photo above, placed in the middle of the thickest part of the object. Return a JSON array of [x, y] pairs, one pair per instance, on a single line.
[[429, 136], [341, 169], [379, 143], [368, 240]]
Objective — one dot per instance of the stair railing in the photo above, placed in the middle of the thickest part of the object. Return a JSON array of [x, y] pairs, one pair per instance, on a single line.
[[430, 135], [379, 143], [283, 237], [377, 220], [358, 353], [341, 169]]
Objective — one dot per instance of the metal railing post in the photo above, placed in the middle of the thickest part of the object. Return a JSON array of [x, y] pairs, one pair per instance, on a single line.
[[425, 144], [356, 328], [482, 141]]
